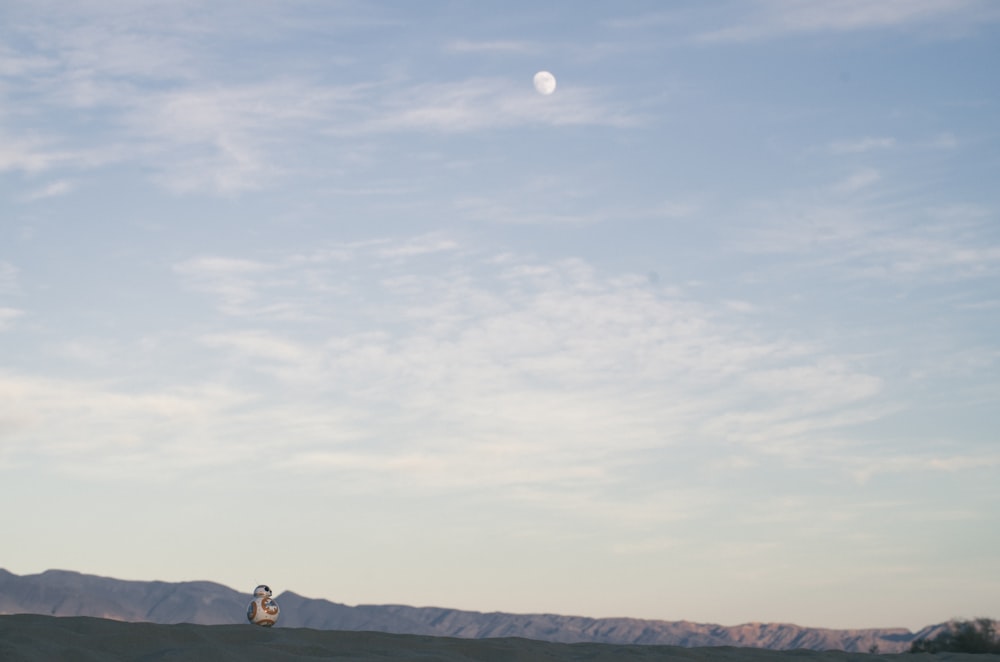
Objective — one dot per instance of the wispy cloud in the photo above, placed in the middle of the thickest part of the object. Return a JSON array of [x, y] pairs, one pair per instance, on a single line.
[[487, 103], [8, 315], [924, 463], [861, 179], [775, 18], [521, 212], [656, 19], [93, 428], [881, 235], [558, 200], [231, 279], [36, 154], [152, 95], [494, 46], [259, 345], [420, 246], [8, 277], [946, 140], [228, 138], [14, 64], [861, 146], [500, 374], [804, 402], [51, 190]]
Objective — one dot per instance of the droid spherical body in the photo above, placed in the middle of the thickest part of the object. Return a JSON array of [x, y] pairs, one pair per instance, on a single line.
[[262, 609]]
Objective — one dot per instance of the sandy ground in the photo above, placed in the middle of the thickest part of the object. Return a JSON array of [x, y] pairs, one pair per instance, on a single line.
[[30, 638]]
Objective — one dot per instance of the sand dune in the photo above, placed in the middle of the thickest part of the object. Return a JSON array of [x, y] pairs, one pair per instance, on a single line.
[[31, 638]]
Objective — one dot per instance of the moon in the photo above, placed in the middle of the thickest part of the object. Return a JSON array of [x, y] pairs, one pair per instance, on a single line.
[[545, 83]]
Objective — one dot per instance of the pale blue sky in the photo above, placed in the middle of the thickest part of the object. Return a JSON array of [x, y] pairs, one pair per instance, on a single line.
[[324, 295]]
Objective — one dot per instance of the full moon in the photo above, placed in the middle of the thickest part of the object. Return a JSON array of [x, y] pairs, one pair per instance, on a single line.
[[545, 82]]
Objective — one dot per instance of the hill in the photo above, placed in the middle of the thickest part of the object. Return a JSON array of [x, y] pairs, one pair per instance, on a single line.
[[72, 594]]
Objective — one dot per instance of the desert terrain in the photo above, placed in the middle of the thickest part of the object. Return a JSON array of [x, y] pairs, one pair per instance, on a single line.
[[38, 638]]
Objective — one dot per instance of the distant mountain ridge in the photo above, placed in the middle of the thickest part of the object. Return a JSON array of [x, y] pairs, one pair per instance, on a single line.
[[66, 593]]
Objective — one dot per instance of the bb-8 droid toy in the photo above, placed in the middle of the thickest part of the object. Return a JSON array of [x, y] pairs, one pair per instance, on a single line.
[[262, 610]]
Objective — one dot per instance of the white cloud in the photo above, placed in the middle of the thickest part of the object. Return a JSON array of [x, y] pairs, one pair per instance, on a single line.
[[861, 179], [517, 211], [870, 467], [558, 200], [495, 46], [655, 545], [13, 64], [93, 428], [740, 306], [221, 266], [51, 190], [227, 138], [87, 351], [773, 18], [229, 278], [153, 96], [946, 140], [545, 385], [650, 20], [8, 315], [876, 240], [34, 154], [259, 345], [487, 103], [420, 246], [803, 402], [112, 62], [862, 145], [8, 277], [526, 370]]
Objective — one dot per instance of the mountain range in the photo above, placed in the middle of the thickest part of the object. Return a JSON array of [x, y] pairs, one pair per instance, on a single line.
[[66, 593]]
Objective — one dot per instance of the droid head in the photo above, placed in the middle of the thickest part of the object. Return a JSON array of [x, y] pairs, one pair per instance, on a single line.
[[262, 591]]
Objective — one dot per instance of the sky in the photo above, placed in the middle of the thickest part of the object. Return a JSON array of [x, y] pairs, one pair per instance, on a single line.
[[325, 295]]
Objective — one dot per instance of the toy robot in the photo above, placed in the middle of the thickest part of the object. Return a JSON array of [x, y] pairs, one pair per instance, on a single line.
[[263, 610]]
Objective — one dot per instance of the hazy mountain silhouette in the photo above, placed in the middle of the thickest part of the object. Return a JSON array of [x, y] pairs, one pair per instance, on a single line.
[[65, 593]]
